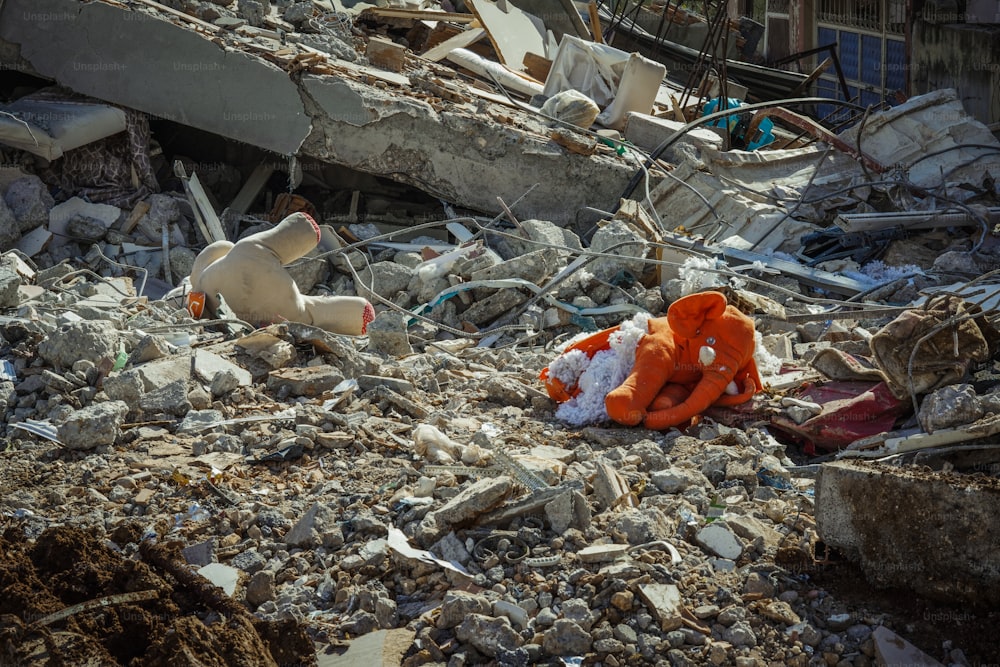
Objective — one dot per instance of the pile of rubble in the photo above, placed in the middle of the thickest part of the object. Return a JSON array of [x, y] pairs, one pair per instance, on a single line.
[[411, 496]]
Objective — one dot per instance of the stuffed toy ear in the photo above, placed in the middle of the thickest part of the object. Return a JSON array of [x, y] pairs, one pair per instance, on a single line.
[[687, 314]]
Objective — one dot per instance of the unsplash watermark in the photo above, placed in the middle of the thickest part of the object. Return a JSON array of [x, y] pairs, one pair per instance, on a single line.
[[99, 67], [195, 68]]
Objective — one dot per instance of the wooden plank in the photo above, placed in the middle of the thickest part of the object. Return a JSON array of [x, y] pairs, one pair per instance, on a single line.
[[513, 33], [537, 66], [386, 54], [595, 22], [421, 15], [251, 189], [459, 41], [207, 210]]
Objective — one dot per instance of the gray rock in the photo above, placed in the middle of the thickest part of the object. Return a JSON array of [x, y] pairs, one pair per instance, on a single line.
[[626, 633], [950, 406], [459, 604], [387, 335], [579, 612], [149, 348], [196, 421], [299, 12], [486, 310], [250, 561], [171, 399], [386, 612], [83, 229], [387, 279], [253, 11], [223, 383], [536, 230], [546, 618], [260, 588], [93, 426], [92, 341], [676, 480], [642, 525], [534, 266], [631, 249], [566, 638], [309, 530], [30, 202], [505, 391], [740, 635], [304, 381], [474, 500], [758, 584], [10, 231], [10, 281], [488, 635]]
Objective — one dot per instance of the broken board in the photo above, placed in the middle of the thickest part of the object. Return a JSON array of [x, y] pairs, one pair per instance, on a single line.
[[513, 33], [459, 41]]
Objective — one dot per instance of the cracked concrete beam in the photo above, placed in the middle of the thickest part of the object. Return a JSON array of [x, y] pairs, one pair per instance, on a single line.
[[462, 156], [137, 60], [461, 153]]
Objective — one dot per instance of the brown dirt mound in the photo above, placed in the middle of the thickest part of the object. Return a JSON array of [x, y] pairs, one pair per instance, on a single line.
[[172, 617]]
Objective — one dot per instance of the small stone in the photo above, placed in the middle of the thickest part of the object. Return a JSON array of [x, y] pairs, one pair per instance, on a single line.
[[718, 538], [387, 335], [93, 426], [758, 584], [304, 381], [706, 611], [781, 612], [740, 635], [622, 600], [676, 480], [250, 561], [566, 638], [171, 399], [260, 588], [223, 383], [29, 200], [488, 635], [308, 531], [956, 405]]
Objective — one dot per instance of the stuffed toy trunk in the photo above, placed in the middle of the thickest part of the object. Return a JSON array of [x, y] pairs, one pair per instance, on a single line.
[[251, 277]]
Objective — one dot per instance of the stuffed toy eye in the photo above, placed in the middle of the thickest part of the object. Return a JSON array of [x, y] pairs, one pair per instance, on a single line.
[[710, 340]]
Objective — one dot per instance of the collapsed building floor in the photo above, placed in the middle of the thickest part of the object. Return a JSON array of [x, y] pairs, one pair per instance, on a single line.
[[183, 491]]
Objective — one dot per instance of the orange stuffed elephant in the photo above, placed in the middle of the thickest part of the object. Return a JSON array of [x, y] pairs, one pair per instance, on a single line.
[[699, 355]]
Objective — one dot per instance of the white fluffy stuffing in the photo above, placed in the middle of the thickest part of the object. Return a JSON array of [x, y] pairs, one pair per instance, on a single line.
[[598, 375], [767, 363]]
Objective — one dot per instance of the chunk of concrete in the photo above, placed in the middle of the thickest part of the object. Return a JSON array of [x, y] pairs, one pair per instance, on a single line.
[[891, 649], [617, 238], [382, 648], [649, 132], [93, 426], [171, 399], [664, 601], [387, 335], [223, 576], [29, 200], [60, 217], [208, 364], [474, 500], [487, 634], [955, 405], [92, 341], [913, 529], [305, 381], [719, 539]]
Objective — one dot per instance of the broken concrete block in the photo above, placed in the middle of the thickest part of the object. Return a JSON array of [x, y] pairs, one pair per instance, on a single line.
[[223, 383], [198, 421], [939, 542], [649, 132], [299, 12], [387, 335], [92, 341], [260, 588], [955, 405], [676, 480], [718, 538], [476, 499], [59, 217], [10, 283], [379, 648], [534, 266], [10, 230], [486, 310], [308, 381], [223, 576], [170, 399], [612, 489], [93, 426], [149, 348], [891, 649], [30, 202], [387, 279], [369, 382], [207, 365], [617, 238], [664, 601], [386, 54], [541, 231], [125, 386], [601, 553], [559, 512], [308, 531], [487, 634], [456, 605]]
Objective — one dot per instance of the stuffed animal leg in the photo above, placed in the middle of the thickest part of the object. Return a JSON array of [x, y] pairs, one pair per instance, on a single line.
[[250, 276], [703, 343]]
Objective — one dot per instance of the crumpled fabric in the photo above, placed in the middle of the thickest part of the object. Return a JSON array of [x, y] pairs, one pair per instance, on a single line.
[[943, 359]]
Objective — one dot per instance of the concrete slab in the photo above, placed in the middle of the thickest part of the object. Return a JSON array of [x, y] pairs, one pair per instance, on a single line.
[[149, 64], [664, 600], [929, 532]]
